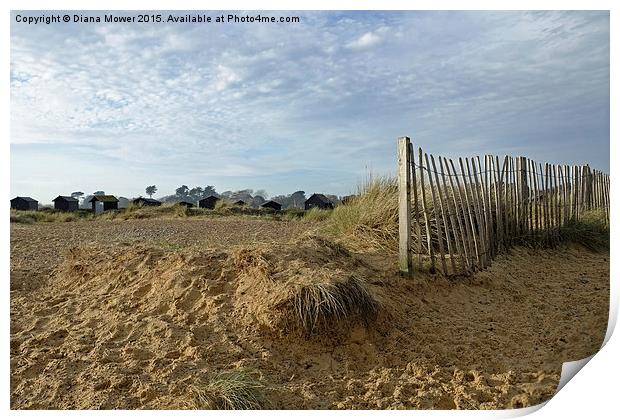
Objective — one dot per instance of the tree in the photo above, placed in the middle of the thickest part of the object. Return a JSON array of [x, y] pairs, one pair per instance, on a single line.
[[182, 191], [258, 200], [196, 193], [77, 194], [298, 199], [150, 190], [208, 191]]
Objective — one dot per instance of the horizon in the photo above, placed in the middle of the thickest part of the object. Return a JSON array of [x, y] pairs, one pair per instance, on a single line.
[[313, 106]]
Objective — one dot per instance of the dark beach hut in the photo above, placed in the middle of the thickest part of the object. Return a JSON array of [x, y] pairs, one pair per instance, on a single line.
[[272, 205], [24, 203], [318, 201], [186, 204], [66, 203], [109, 202], [208, 203], [142, 201], [239, 203]]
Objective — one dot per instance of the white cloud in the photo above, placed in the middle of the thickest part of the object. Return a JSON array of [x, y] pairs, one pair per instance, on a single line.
[[281, 101], [365, 41]]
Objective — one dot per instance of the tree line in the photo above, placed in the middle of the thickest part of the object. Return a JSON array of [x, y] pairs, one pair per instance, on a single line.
[[253, 198]]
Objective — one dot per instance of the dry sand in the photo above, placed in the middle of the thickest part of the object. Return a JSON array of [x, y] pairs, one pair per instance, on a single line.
[[132, 314]]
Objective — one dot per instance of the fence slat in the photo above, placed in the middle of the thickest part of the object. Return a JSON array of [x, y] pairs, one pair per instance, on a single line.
[[475, 188], [470, 214], [416, 208], [498, 202], [537, 212], [442, 252], [427, 224], [444, 219], [466, 217], [453, 210]]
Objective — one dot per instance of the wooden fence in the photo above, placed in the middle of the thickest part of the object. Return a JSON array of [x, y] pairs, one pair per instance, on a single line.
[[458, 215]]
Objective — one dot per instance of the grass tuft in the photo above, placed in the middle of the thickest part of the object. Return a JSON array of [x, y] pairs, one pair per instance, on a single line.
[[326, 303], [231, 390]]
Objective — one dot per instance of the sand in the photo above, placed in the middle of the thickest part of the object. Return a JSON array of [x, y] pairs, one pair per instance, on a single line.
[[133, 314]]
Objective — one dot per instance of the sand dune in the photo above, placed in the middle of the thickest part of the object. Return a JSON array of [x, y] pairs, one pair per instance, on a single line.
[[133, 324]]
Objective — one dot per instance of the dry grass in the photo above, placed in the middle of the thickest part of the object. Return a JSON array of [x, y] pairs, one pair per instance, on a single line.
[[317, 215], [231, 390], [296, 288], [47, 216], [369, 221], [324, 304], [133, 212]]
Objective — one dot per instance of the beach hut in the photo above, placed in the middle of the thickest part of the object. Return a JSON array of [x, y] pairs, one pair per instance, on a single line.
[[239, 203], [208, 203], [66, 203], [186, 204], [272, 205], [318, 201], [24, 203], [109, 202]]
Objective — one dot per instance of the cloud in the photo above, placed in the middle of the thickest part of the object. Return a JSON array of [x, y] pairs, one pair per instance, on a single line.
[[266, 106], [365, 41]]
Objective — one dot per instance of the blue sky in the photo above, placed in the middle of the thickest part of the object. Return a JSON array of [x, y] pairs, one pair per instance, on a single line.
[[314, 105]]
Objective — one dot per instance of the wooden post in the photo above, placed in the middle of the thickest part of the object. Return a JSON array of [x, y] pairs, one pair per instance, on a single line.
[[404, 207], [472, 223]]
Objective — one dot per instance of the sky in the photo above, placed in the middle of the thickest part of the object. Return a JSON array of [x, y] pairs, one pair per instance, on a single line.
[[314, 106]]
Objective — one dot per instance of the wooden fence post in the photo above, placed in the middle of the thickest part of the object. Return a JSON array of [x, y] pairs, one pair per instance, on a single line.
[[404, 206]]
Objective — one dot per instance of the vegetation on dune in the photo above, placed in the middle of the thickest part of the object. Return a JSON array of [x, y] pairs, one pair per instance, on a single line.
[[231, 390], [591, 231], [166, 210], [317, 215], [369, 220], [328, 303], [29, 217]]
